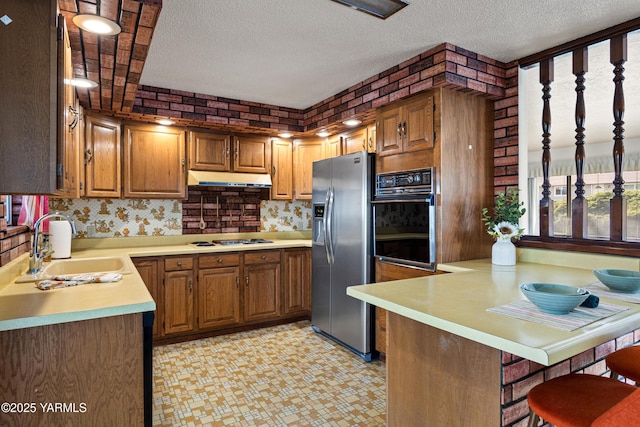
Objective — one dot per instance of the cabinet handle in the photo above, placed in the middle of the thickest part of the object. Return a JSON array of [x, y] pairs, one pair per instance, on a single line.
[[400, 130], [404, 129], [88, 155], [237, 282], [246, 280], [263, 257], [227, 152], [364, 144], [370, 143], [182, 165], [76, 118], [273, 170], [179, 264], [235, 154], [190, 286], [220, 260]]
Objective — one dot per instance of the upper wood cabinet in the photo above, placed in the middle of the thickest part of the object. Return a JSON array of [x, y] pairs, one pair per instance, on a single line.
[[359, 139], [102, 157], [154, 162], [406, 126], [333, 147], [68, 172], [28, 87], [281, 170], [251, 154], [305, 152], [209, 151]]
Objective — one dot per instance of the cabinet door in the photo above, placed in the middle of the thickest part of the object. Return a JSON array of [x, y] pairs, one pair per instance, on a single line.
[[28, 91], [333, 147], [68, 157], [262, 292], [209, 151], [389, 131], [305, 152], [297, 281], [355, 140], [178, 301], [218, 297], [281, 171], [148, 270], [418, 122], [251, 154], [102, 157], [154, 162]]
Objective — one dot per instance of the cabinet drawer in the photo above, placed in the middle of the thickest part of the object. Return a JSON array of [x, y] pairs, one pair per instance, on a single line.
[[178, 263], [218, 260], [260, 257]]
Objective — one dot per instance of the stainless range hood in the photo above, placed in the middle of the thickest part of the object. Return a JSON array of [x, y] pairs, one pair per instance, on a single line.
[[229, 179]]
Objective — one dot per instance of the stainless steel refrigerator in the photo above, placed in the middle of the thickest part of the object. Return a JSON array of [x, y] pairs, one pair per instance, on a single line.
[[342, 249]]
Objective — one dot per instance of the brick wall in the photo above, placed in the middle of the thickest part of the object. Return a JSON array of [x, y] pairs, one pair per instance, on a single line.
[[239, 210], [505, 145], [520, 375]]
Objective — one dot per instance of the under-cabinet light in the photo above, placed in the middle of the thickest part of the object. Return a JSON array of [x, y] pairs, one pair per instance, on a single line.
[[323, 134], [83, 83], [352, 122], [165, 122], [379, 8]]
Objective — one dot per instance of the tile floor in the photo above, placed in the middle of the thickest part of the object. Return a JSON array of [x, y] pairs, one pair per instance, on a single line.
[[281, 376]]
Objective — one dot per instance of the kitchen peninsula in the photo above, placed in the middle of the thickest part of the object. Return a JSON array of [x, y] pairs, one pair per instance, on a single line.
[[449, 359]]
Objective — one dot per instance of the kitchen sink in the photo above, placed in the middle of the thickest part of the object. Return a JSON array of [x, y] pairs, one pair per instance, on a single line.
[[116, 264]]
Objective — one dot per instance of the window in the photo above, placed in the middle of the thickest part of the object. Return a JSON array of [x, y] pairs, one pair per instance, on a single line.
[[599, 167]]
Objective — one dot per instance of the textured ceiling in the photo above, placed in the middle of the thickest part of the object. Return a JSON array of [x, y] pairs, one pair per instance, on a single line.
[[295, 53]]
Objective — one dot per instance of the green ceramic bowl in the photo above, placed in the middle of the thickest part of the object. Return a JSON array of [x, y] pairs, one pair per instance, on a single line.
[[554, 299], [626, 281]]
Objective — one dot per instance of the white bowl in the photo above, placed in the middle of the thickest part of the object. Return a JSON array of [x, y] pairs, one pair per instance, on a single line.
[[552, 298]]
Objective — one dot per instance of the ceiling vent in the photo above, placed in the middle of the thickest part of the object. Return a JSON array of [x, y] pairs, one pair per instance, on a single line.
[[379, 8]]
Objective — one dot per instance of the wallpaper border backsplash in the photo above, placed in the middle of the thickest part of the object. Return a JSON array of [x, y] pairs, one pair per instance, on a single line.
[[100, 218]]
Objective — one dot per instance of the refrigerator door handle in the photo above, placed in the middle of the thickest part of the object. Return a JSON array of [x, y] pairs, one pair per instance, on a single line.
[[324, 225], [329, 226]]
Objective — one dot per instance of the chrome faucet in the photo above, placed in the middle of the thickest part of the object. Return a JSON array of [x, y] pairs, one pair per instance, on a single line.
[[35, 262]]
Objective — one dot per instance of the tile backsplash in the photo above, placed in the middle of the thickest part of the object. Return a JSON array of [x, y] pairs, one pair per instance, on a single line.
[[102, 218]]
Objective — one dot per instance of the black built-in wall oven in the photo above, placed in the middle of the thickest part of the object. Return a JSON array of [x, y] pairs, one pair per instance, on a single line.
[[404, 212]]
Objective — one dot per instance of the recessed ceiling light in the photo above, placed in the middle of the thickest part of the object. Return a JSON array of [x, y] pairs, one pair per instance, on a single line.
[[323, 134], [97, 24], [165, 122], [83, 83], [379, 8], [284, 135], [352, 122]]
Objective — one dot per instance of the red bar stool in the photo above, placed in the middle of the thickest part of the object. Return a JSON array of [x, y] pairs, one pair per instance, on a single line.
[[625, 362], [578, 400]]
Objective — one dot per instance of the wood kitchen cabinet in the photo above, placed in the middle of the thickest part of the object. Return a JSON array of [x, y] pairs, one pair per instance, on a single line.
[[262, 285], [102, 166], [333, 147], [359, 139], [305, 152], [406, 126], [209, 151], [69, 179], [281, 170], [251, 154], [297, 280], [178, 294], [218, 290], [154, 162], [148, 270], [29, 86]]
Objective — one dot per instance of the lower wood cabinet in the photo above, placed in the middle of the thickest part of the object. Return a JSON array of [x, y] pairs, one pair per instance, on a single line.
[[200, 294], [297, 280], [262, 285], [219, 290]]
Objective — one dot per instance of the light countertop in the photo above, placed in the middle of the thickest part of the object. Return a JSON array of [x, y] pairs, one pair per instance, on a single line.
[[22, 305], [458, 303]]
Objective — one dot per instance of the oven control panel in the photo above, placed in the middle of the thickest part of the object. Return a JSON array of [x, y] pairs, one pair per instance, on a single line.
[[411, 182]]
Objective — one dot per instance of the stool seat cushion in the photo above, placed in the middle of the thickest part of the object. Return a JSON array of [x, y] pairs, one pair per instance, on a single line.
[[576, 400], [625, 413], [626, 362]]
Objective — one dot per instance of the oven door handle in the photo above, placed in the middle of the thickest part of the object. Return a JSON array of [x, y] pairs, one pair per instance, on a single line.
[[432, 230], [329, 226], [427, 199]]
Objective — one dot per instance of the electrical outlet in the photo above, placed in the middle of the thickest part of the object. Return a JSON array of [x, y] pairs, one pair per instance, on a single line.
[[91, 231]]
